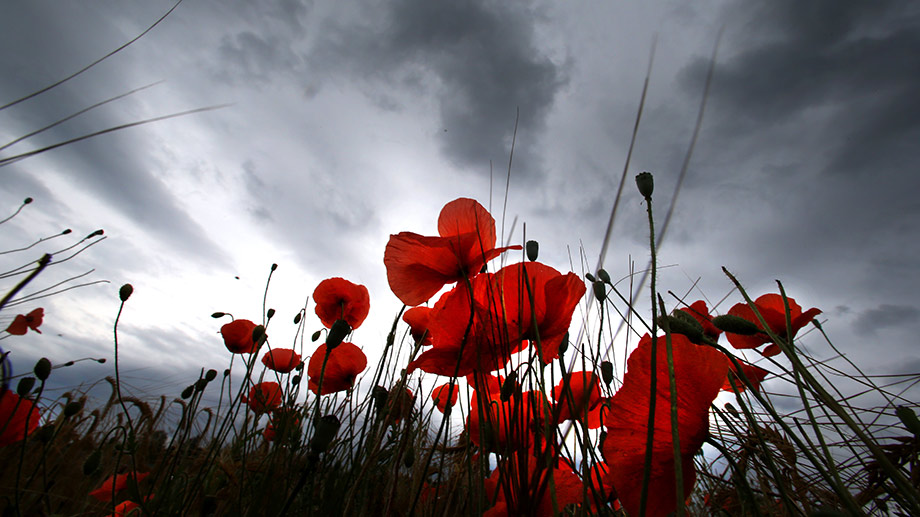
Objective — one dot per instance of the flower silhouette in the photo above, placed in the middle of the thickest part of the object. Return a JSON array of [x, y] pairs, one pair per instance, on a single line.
[[337, 298], [238, 336], [771, 307], [263, 397], [22, 323], [18, 417], [281, 360], [419, 266], [345, 362]]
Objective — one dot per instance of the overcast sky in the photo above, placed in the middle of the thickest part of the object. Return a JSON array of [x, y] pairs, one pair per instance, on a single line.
[[350, 121]]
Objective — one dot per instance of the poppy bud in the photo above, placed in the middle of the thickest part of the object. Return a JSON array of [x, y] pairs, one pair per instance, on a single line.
[[337, 334], [646, 184], [27, 200], [125, 292], [25, 386], [274, 267], [731, 409], [325, 430], [218, 315], [200, 384], [297, 319], [315, 335], [227, 372], [564, 344], [210, 375], [46, 433], [508, 387], [187, 392], [735, 325], [92, 462], [42, 368], [258, 334], [380, 396], [96, 233], [409, 457], [66, 232], [72, 408], [909, 419], [687, 318], [607, 372], [603, 276], [600, 291], [590, 277], [295, 380], [676, 325], [533, 249], [270, 313]]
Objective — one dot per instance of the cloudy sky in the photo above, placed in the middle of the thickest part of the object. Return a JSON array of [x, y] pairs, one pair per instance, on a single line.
[[349, 121]]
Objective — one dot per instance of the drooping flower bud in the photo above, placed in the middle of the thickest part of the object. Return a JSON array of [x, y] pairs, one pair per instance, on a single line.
[[735, 325], [337, 333], [325, 430], [909, 419], [125, 292], [218, 314]]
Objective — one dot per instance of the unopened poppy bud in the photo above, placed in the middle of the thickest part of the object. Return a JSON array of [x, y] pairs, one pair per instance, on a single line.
[[508, 386], [46, 433], [337, 334], [210, 375], [590, 277], [909, 419], [295, 380], [564, 344], [227, 372], [92, 462], [688, 319], [533, 249], [297, 319], [218, 314], [735, 325], [646, 184], [72, 408], [258, 333], [325, 430], [274, 267], [676, 325], [316, 335], [66, 231], [380, 396], [603, 276], [25, 386], [200, 384], [125, 292], [187, 392], [42, 368], [607, 372], [600, 291], [96, 233], [270, 313], [409, 457], [26, 201], [731, 409]]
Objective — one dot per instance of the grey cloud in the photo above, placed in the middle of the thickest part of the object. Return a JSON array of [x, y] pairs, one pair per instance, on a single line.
[[885, 315], [481, 59]]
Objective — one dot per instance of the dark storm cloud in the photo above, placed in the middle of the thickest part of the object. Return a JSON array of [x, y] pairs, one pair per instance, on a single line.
[[484, 62]]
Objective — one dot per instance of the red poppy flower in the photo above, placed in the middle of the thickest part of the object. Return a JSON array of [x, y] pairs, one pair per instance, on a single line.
[[400, 402], [585, 395], [281, 422], [281, 360], [124, 508], [339, 299], [443, 396], [345, 362], [419, 266], [115, 484], [18, 417], [509, 425], [488, 383], [464, 341], [238, 336], [700, 313], [538, 308], [773, 311], [700, 372], [509, 478], [755, 374], [22, 323], [264, 397], [417, 318]]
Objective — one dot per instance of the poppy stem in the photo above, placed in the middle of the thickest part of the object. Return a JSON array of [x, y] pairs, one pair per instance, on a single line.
[[653, 385], [42, 264]]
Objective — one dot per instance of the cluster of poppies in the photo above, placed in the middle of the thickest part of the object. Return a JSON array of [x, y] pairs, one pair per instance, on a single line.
[[341, 306], [475, 328]]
